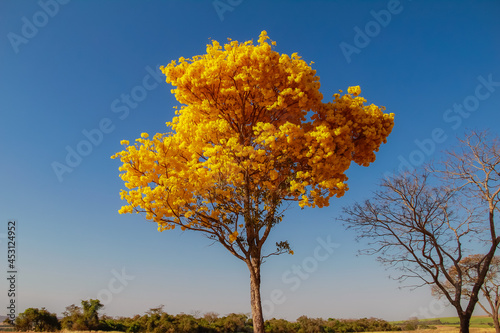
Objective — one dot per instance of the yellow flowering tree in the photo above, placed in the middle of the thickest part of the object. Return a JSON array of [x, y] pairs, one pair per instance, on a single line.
[[252, 132]]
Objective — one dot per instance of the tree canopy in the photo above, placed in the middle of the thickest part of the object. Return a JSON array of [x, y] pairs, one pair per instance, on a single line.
[[244, 140]]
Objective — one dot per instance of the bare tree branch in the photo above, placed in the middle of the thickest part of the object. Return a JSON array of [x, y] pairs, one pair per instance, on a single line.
[[423, 223]]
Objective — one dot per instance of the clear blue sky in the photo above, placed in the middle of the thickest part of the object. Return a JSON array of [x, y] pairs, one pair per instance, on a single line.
[[66, 70]]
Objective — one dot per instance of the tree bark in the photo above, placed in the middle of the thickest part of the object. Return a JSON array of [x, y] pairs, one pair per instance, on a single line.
[[255, 300], [464, 323], [495, 322]]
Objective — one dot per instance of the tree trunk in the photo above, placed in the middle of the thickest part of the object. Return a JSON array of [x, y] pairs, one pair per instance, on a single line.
[[495, 322], [258, 319], [464, 323]]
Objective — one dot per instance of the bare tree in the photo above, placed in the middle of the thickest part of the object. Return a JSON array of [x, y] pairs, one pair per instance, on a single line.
[[425, 222], [471, 266]]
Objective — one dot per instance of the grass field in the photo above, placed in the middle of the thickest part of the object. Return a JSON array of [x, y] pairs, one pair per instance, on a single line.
[[480, 321], [476, 322], [449, 329]]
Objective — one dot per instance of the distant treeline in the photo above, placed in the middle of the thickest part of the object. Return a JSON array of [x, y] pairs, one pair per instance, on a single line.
[[163, 323], [86, 318]]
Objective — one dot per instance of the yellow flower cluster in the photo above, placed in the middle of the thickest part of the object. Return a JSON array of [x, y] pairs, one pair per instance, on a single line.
[[252, 131]]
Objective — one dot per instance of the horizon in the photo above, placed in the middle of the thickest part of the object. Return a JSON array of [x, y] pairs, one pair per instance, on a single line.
[[2, 317], [79, 77]]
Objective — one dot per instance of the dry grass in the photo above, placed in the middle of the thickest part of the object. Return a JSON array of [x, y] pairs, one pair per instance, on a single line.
[[66, 331], [449, 329], [439, 329]]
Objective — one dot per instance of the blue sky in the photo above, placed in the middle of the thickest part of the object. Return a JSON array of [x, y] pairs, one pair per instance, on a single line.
[[70, 70]]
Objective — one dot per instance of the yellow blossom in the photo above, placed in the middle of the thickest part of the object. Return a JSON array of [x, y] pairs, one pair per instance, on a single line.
[[251, 131], [355, 90]]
